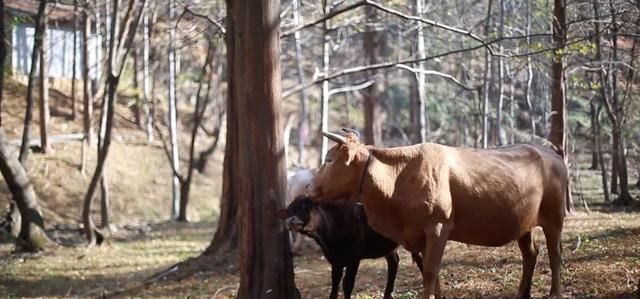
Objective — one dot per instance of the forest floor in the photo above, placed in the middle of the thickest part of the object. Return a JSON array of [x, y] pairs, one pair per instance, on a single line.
[[601, 247]]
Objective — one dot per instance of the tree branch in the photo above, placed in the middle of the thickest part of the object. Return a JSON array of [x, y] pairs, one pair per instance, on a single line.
[[165, 147], [213, 22], [439, 74], [351, 87]]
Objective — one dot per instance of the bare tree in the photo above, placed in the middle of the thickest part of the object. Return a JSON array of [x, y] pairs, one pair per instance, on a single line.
[[74, 56], [121, 36], [303, 128], [421, 79], [87, 100], [31, 236], [324, 104], [35, 54]]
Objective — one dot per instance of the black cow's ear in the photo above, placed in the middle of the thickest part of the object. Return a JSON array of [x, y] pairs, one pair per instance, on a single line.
[[282, 214]]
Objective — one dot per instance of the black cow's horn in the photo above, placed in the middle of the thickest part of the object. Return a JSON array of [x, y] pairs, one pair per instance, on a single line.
[[335, 137], [349, 130]]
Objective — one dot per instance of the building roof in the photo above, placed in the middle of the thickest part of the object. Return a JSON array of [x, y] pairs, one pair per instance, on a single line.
[[55, 11]]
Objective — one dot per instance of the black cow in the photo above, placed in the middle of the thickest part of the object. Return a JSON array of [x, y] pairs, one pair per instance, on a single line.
[[341, 229]]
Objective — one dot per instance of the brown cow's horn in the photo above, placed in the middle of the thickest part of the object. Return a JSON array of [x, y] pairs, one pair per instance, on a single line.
[[335, 137], [349, 130]]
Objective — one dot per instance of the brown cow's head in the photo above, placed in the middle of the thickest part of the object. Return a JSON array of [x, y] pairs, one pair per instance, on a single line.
[[339, 177]]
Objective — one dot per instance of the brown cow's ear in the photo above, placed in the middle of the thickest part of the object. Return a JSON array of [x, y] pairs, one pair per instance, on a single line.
[[282, 214]]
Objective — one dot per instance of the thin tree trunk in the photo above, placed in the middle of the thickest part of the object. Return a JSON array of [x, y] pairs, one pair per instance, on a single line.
[[86, 80], [266, 266], [3, 57], [35, 54], [201, 107], [501, 138], [373, 115], [137, 111], [421, 78], [532, 120], [594, 132], [31, 237], [324, 104], [146, 80], [173, 133], [105, 202], [74, 64], [600, 154], [487, 82], [44, 90], [303, 128]]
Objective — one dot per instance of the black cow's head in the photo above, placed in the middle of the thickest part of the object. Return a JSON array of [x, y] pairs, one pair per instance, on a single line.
[[298, 214]]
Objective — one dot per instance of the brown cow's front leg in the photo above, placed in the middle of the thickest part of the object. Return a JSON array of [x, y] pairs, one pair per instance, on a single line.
[[436, 240], [529, 254]]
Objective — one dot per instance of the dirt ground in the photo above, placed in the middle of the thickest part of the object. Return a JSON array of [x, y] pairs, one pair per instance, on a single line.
[[601, 255]]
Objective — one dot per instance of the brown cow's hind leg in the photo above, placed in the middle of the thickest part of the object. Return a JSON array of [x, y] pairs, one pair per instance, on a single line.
[[436, 240], [529, 251], [553, 236]]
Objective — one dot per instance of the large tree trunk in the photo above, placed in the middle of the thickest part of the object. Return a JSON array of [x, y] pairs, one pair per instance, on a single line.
[[35, 54], [3, 56], [225, 239], [44, 90], [173, 133], [373, 115], [266, 266], [31, 236]]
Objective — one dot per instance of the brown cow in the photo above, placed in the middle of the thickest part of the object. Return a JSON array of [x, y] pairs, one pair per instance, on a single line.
[[420, 196]]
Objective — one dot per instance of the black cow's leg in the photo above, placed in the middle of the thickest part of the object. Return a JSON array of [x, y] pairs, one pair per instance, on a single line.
[[392, 269], [336, 276], [417, 259], [350, 279]]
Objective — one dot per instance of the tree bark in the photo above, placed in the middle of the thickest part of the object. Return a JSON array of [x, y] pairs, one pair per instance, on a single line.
[[266, 267], [226, 237], [35, 54], [45, 113], [532, 121], [500, 134], [31, 237]]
